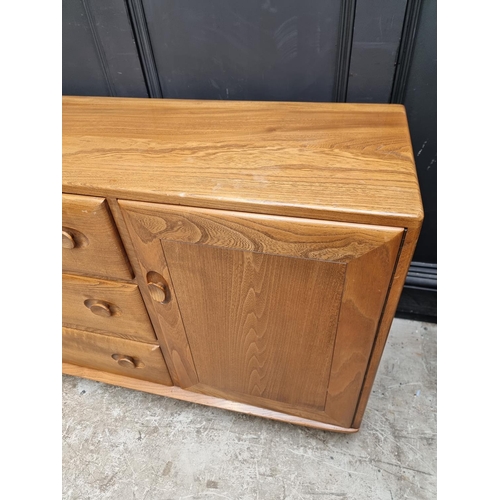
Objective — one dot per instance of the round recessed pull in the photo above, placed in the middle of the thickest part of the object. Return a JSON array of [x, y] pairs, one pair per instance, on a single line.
[[158, 291], [125, 361], [72, 238], [101, 308], [67, 240], [157, 287]]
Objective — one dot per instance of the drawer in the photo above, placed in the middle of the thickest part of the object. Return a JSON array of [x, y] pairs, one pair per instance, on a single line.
[[90, 241], [110, 354], [106, 307]]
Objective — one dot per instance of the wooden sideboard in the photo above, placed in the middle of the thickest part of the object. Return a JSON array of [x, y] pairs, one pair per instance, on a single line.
[[243, 255]]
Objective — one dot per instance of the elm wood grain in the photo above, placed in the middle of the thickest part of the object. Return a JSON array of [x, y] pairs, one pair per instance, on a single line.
[[169, 324], [333, 161], [317, 415], [140, 278], [367, 283], [408, 245], [348, 163], [202, 281], [219, 358], [101, 352], [287, 236], [192, 397], [102, 254], [146, 229], [261, 325], [105, 306], [396, 287]]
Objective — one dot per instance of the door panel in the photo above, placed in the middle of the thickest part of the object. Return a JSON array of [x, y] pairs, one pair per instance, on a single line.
[[306, 238], [366, 284], [258, 324], [278, 312]]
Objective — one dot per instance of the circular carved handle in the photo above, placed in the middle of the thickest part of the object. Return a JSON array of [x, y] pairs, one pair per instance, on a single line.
[[158, 287], [100, 308], [67, 240], [72, 238], [125, 361], [158, 291]]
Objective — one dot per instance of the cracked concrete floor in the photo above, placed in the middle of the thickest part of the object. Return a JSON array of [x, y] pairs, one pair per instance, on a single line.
[[123, 444]]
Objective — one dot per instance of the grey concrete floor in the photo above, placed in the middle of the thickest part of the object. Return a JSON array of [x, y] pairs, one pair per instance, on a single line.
[[124, 444]]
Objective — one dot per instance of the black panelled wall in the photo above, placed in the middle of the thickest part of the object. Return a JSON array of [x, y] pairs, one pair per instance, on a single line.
[[286, 50], [241, 49], [415, 87], [375, 47], [99, 53]]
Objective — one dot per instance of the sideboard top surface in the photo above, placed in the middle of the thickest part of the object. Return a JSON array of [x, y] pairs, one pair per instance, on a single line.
[[334, 161]]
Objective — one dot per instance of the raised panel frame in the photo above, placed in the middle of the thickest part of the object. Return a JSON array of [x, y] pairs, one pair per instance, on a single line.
[[362, 247]]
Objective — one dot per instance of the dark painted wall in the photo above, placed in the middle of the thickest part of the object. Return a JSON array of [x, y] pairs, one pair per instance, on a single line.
[[375, 46], [241, 49], [99, 54], [420, 101]]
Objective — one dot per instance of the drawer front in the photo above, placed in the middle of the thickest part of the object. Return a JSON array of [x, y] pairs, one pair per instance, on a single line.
[[114, 355], [90, 241], [106, 307]]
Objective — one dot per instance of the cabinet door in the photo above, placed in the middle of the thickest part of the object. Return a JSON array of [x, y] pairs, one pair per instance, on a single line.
[[275, 312]]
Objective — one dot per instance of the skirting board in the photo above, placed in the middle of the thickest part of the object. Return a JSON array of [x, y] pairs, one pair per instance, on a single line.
[[418, 300]]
